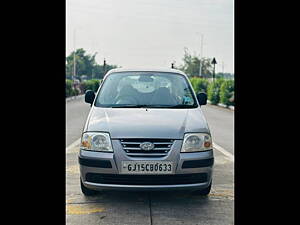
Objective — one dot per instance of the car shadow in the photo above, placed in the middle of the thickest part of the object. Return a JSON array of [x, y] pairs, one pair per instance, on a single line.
[[146, 196]]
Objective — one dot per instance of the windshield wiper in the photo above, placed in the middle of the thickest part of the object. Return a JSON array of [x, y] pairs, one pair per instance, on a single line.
[[182, 106], [129, 106], [154, 106]]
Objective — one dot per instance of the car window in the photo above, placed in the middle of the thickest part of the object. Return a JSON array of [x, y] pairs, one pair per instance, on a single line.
[[145, 89]]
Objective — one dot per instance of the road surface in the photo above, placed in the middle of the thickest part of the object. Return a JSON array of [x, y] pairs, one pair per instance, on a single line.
[[116, 207], [221, 123]]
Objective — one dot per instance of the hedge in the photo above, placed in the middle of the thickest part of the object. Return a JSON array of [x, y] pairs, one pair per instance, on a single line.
[[227, 92], [69, 88], [89, 85], [220, 91], [213, 91], [199, 84]]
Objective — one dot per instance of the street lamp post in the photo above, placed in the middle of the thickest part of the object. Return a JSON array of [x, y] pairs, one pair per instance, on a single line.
[[173, 65], [214, 62], [74, 55], [93, 65], [201, 55], [104, 67]]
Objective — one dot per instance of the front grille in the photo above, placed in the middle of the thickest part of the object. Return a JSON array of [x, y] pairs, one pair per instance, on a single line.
[[147, 179], [132, 147]]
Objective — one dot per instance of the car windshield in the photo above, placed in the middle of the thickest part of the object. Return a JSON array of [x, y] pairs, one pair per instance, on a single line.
[[145, 89]]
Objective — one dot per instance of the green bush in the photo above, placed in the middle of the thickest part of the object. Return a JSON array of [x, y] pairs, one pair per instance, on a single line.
[[75, 92], [199, 84], [213, 91], [69, 88], [90, 85], [227, 92]]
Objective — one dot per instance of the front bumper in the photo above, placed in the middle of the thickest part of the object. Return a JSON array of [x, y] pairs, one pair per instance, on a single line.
[[120, 187], [186, 165]]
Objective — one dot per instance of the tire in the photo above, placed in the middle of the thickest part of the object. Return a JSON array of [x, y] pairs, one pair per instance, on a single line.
[[86, 191], [203, 192]]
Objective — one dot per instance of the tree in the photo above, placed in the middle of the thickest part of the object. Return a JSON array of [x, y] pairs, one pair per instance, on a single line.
[[85, 65], [191, 65]]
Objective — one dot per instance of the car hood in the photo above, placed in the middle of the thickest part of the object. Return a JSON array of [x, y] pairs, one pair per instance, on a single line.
[[146, 123]]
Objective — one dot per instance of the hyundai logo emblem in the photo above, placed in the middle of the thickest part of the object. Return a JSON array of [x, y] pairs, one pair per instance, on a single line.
[[146, 146]]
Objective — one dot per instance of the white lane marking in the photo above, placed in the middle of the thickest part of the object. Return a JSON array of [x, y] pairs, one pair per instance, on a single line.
[[75, 143], [222, 150]]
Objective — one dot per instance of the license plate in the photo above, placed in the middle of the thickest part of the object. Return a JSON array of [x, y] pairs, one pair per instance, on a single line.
[[147, 167]]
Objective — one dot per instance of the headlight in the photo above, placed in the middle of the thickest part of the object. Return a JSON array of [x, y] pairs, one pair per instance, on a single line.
[[196, 142], [94, 141]]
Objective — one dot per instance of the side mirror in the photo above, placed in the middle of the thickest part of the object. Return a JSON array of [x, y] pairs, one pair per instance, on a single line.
[[202, 98], [89, 96]]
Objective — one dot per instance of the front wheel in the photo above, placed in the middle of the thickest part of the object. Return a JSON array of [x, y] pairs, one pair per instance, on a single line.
[[86, 191]]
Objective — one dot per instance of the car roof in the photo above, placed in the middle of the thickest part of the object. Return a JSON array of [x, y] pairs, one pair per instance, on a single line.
[[142, 69]]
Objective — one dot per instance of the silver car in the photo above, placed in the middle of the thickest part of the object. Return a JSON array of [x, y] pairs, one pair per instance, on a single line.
[[146, 131]]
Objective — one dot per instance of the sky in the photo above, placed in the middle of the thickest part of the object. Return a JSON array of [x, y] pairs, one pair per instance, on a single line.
[[152, 33]]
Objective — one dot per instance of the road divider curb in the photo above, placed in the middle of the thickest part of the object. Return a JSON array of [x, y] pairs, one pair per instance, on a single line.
[[74, 97], [231, 107]]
